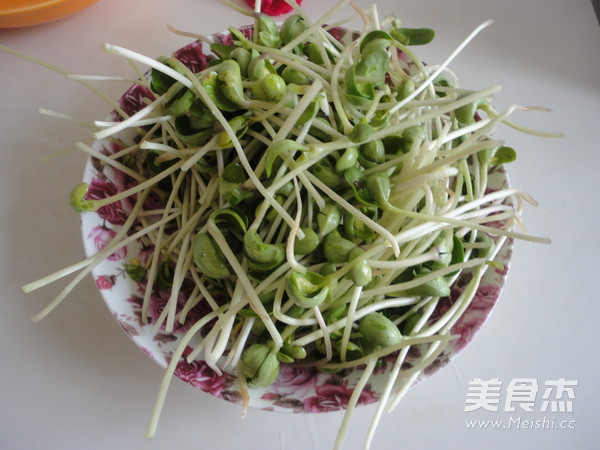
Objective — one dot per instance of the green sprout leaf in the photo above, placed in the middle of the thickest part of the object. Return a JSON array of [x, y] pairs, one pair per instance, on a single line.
[[308, 289], [78, 201]]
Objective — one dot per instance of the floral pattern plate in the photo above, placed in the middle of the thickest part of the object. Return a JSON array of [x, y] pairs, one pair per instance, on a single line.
[[298, 389]]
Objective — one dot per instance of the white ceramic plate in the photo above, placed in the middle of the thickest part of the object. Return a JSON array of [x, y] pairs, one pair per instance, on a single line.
[[297, 389]]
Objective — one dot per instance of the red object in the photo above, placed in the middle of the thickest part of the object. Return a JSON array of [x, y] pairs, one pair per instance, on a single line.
[[273, 7]]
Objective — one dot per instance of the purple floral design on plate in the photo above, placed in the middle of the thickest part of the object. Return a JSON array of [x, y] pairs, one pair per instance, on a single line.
[[193, 56], [225, 37], [335, 395], [133, 100], [113, 213], [199, 375], [473, 319], [101, 236], [293, 384], [158, 302], [105, 281]]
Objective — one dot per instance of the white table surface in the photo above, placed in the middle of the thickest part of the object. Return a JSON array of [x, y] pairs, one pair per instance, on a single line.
[[75, 381]]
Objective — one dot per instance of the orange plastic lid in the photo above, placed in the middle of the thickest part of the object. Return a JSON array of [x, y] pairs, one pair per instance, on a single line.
[[23, 13]]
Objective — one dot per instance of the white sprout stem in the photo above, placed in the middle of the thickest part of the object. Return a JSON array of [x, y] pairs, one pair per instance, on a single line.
[[316, 26], [209, 343], [101, 257], [270, 109], [254, 301], [360, 385], [289, 248], [426, 228], [194, 299], [204, 291], [500, 213], [83, 77], [388, 165], [178, 279], [273, 280], [441, 68], [129, 121], [385, 395], [401, 384], [359, 215], [335, 96], [405, 383], [444, 324], [197, 86], [151, 62], [127, 150], [139, 123], [139, 187], [50, 113], [304, 103], [245, 394], [276, 224], [383, 290], [308, 68], [175, 359], [149, 145], [318, 334], [373, 108], [196, 36], [238, 347], [281, 317], [152, 272], [468, 295], [432, 255], [64, 72], [323, 327], [169, 133], [416, 182], [457, 154], [408, 377], [361, 13], [109, 161], [212, 355], [312, 192], [385, 351], [30, 287], [490, 110], [349, 322], [444, 109], [108, 250], [433, 222]]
